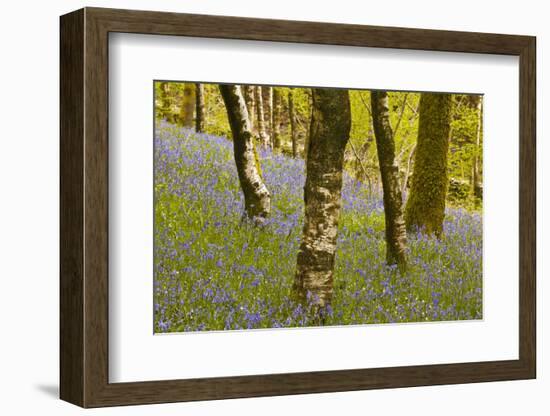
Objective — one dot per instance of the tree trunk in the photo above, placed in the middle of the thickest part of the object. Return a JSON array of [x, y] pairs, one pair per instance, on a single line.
[[292, 118], [426, 203], [396, 234], [330, 128], [309, 93], [476, 182], [406, 178], [257, 199], [276, 122], [264, 139], [187, 108], [250, 105], [164, 110], [267, 99], [199, 110]]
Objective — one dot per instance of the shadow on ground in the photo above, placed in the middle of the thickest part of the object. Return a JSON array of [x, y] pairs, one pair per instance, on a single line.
[[51, 390]]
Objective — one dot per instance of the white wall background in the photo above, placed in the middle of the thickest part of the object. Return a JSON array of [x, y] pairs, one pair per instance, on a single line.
[[30, 192]]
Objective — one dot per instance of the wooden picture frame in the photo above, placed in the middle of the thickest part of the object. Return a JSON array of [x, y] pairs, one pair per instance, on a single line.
[[84, 207]]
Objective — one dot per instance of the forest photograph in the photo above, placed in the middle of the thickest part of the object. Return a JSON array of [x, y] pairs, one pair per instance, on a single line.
[[285, 207]]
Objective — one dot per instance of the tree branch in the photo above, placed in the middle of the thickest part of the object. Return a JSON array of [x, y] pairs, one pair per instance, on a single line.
[[362, 167], [401, 113]]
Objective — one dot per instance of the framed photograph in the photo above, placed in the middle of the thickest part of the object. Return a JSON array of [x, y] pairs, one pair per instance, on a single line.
[[254, 207]]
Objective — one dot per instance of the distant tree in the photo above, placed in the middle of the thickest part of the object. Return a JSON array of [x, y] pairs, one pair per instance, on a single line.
[[250, 100], [276, 122], [164, 106], [476, 174], [256, 195], [267, 99], [330, 128], [396, 234], [199, 108], [292, 119], [426, 203], [187, 107], [262, 134], [309, 100]]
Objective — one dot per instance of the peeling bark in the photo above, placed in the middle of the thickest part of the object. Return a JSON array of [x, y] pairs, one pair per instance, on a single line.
[[199, 108], [426, 203], [396, 234], [256, 195], [330, 128]]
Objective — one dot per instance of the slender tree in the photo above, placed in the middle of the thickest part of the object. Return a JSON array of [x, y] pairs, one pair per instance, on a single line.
[[199, 108], [276, 122], [164, 108], [426, 203], [330, 128], [309, 93], [267, 99], [292, 119], [476, 175], [257, 199], [396, 234], [264, 139], [187, 106], [250, 100]]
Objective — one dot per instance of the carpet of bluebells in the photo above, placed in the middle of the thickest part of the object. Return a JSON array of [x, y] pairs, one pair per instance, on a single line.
[[215, 272]]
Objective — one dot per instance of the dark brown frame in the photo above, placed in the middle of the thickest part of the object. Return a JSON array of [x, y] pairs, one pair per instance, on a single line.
[[84, 207]]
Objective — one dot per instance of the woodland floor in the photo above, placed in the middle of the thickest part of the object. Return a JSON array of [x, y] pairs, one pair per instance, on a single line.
[[213, 272]]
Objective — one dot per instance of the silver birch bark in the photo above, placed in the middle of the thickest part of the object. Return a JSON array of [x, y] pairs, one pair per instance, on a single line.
[[257, 199], [248, 91], [277, 109], [264, 139], [267, 99], [329, 134]]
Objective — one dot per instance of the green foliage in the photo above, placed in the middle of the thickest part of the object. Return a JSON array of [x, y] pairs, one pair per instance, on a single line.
[[463, 149], [361, 125], [216, 116]]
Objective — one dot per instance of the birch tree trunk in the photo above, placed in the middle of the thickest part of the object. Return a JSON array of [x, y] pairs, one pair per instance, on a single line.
[[330, 128], [476, 182], [267, 99], [261, 116], [248, 91], [199, 108], [292, 119], [187, 108], [429, 183], [396, 234], [257, 199], [276, 122]]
